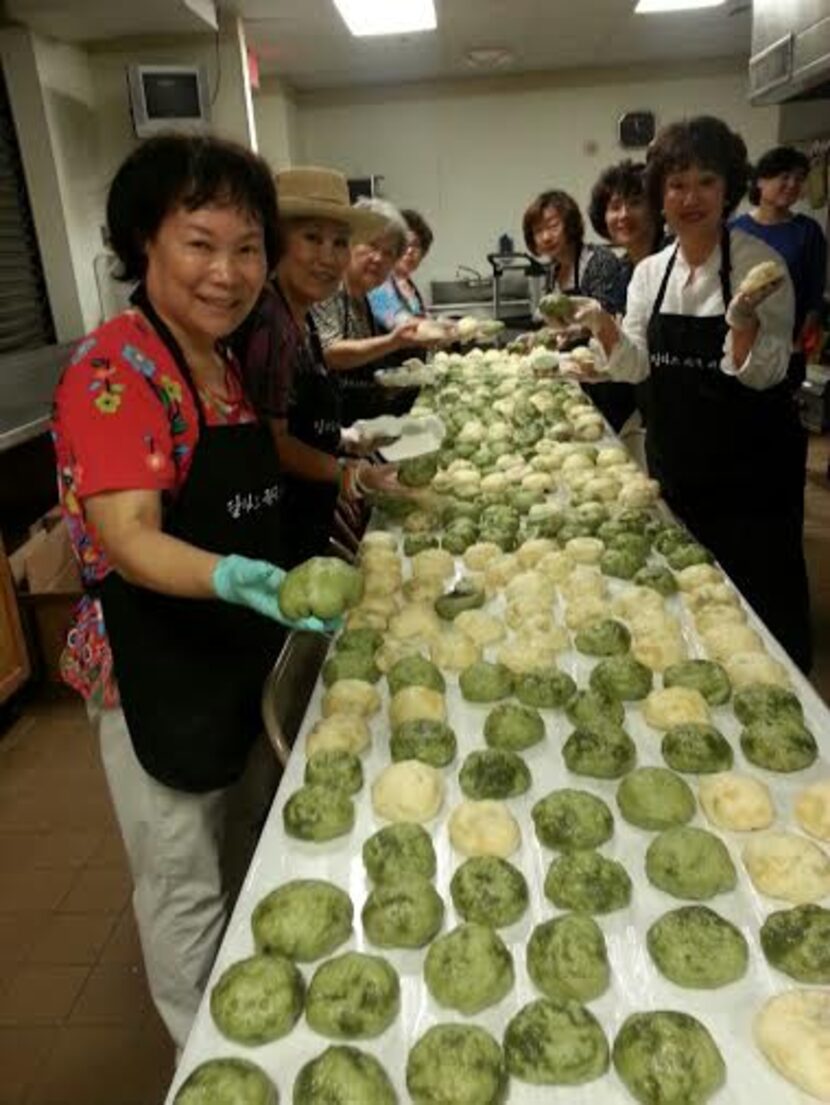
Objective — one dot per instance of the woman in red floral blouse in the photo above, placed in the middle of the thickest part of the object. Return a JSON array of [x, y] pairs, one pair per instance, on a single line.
[[171, 489]]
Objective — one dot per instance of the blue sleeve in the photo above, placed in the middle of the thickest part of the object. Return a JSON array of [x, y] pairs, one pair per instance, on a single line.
[[385, 305], [815, 267]]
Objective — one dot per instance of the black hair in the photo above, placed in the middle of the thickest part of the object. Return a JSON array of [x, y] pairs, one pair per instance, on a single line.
[[624, 179], [781, 159], [567, 209], [190, 171], [419, 227], [704, 142]]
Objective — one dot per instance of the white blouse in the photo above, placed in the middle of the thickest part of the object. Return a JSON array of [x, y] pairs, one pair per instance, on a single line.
[[697, 293]]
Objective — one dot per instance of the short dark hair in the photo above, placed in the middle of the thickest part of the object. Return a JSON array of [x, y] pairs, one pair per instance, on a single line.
[[624, 179], [190, 171], [567, 209], [781, 159], [704, 142], [419, 227]]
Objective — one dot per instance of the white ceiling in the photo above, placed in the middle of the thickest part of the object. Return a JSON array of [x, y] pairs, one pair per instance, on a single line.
[[306, 42]]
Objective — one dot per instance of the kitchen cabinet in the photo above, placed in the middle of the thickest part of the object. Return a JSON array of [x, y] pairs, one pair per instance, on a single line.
[[14, 658]]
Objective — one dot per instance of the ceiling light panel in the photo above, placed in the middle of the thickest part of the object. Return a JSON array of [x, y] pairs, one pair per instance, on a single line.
[[647, 7], [387, 17]]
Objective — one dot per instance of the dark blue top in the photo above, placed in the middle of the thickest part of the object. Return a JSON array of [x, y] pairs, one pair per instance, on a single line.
[[802, 244]]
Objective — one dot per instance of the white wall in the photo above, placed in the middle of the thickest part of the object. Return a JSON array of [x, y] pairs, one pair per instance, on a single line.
[[275, 111], [471, 155]]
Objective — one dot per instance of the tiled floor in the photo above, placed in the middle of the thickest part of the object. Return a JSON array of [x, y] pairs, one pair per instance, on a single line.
[[76, 1023]]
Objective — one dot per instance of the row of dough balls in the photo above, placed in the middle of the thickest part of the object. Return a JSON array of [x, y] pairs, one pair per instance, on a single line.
[[742, 803], [720, 620]]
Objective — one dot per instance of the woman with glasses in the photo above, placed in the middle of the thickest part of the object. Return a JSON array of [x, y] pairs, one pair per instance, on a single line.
[[398, 298]]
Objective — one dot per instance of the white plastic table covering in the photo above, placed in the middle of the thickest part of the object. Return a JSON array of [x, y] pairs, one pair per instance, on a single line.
[[636, 984]]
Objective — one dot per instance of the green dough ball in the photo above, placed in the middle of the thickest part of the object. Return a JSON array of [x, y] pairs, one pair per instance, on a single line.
[[258, 999], [604, 638], [397, 851], [493, 773], [413, 543], [696, 749], [700, 675], [605, 752], [464, 596], [588, 882], [514, 727], [695, 947], [343, 1075], [403, 913], [359, 640], [637, 543], [458, 537], [432, 742], [323, 586], [687, 555], [334, 767], [485, 682], [779, 744], [671, 538], [638, 520], [569, 819], [567, 958], [304, 920], [353, 997], [469, 969], [690, 863], [351, 664], [621, 677], [762, 702], [227, 1082], [593, 709], [654, 798], [489, 890], [456, 1064], [414, 671], [668, 1058], [555, 1043], [658, 579], [318, 813], [797, 942], [548, 689], [418, 471], [621, 563]]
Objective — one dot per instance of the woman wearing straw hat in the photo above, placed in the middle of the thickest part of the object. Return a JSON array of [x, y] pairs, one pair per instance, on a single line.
[[285, 369]]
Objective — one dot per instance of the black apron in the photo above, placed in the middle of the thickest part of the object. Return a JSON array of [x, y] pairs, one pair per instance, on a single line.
[[616, 402], [315, 418], [360, 394], [190, 671], [728, 458]]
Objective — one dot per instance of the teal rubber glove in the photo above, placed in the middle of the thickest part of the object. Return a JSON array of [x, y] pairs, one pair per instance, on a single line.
[[255, 584]]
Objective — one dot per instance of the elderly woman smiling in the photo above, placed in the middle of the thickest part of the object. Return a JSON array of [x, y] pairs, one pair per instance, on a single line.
[[352, 340], [172, 494]]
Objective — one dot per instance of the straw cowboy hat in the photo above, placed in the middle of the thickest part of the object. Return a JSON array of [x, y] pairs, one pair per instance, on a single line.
[[313, 193]]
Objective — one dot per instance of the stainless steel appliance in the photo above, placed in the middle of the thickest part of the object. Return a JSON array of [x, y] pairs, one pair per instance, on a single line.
[[790, 50]]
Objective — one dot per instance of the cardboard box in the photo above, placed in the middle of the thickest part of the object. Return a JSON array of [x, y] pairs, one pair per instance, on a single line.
[[48, 587]]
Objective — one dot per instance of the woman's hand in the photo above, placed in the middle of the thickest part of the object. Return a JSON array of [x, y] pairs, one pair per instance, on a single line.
[[591, 315], [256, 584], [742, 312], [405, 335], [379, 479]]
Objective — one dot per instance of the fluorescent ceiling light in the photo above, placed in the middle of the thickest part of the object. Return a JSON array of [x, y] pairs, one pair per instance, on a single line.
[[646, 7], [387, 17]]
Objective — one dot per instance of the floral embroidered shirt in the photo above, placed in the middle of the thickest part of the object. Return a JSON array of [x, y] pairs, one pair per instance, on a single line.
[[124, 420]]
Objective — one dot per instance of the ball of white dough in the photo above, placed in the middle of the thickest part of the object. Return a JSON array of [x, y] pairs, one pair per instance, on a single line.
[[484, 828], [414, 703], [812, 809], [785, 865], [736, 802], [672, 706], [351, 696], [408, 791]]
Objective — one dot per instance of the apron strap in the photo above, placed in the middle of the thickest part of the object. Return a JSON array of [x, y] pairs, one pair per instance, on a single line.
[[664, 283], [726, 267], [139, 298]]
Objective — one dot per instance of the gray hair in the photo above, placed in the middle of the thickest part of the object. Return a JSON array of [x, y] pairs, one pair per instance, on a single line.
[[396, 228]]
